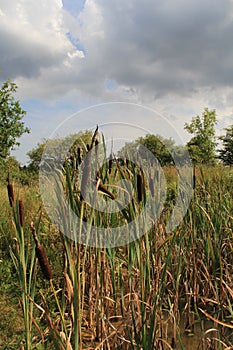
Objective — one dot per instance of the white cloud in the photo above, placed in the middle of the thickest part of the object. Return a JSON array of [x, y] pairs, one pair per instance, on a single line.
[[32, 37], [174, 56], [154, 50]]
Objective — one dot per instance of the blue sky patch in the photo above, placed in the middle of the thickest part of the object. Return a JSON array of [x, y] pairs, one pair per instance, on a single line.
[[110, 84], [76, 42], [74, 6]]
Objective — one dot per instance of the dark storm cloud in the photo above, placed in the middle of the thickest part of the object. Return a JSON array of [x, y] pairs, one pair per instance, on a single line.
[[169, 46], [23, 57]]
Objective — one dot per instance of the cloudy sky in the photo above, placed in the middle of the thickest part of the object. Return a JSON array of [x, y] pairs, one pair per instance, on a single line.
[[173, 57]]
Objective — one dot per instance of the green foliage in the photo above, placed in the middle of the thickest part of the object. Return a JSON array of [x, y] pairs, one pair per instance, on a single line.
[[163, 149], [159, 147], [11, 115], [54, 150], [21, 175], [202, 145], [226, 154], [5, 164], [35, 156]]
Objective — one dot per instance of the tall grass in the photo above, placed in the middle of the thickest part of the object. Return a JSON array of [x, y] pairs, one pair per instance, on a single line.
[[22, 252], [144, 295]]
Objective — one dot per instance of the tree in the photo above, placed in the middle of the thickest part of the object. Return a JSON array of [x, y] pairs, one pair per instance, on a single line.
[[35, 156], [226, 154], [12, 164], [163, 149], [11, 115], [202, 145], [56, 150]]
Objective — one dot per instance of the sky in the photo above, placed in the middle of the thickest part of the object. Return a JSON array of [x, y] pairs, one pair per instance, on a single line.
[[152, 65]]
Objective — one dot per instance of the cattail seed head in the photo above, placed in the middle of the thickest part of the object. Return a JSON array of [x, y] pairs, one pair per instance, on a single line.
[[139, 187], [41, 255], [79, 152], [43, 261], [194, 177], [94, 136], [11, 196], [110, 164], [21, 213], [103, 189]]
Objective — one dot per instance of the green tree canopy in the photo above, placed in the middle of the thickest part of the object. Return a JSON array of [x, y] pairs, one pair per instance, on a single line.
[[202, 145], [163, 149], [11, 115], [226, 153], [55, 150]]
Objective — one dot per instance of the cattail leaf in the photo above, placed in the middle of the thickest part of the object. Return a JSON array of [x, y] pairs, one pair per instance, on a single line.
[[21, 213]]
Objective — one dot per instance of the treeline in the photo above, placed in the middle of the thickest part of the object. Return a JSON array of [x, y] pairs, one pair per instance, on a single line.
[[202, 147]]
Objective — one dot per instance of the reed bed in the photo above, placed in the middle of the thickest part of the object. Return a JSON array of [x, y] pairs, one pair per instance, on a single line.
[[154, 292]]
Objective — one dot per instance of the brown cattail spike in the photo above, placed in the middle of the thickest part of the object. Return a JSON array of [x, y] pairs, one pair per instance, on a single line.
[[11, 196], [103, 189], [94, 136], [21, 213], [43, 261], [41, 256], [79, 151], [139, 187], [110, 164]]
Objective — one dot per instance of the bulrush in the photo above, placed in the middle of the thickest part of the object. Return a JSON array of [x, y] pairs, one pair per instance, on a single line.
[[79, 151], [139, 187], [41, 256], [11, 196], [21, 213], [103, 189], [10, 190], [94, 136], [110, 164]]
